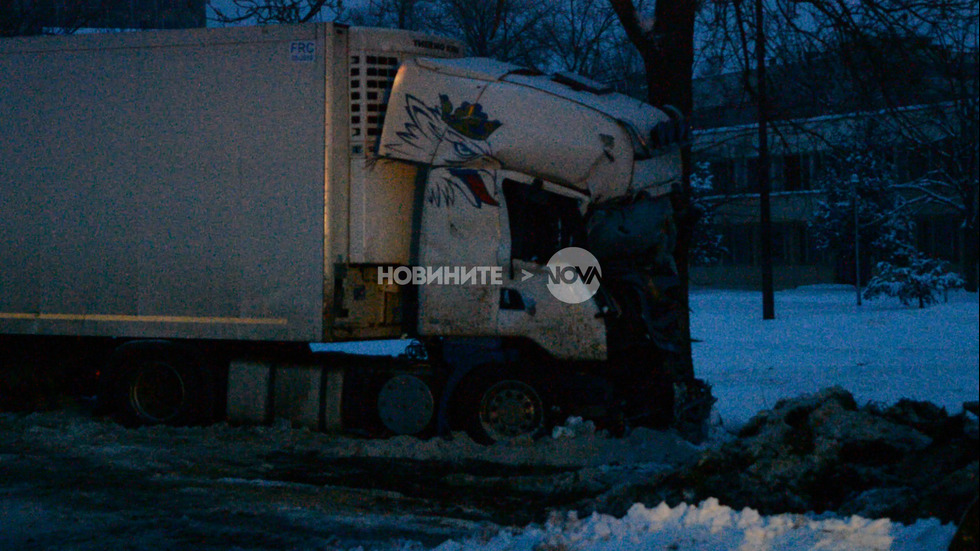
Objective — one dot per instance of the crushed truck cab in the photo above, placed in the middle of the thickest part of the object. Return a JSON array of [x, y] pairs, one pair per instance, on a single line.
[[516, 166]]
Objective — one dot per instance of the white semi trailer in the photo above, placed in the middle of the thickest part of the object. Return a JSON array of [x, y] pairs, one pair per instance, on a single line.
[[196, 210]]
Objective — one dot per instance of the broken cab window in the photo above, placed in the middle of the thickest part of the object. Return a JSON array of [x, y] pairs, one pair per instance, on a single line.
[[541, 222]]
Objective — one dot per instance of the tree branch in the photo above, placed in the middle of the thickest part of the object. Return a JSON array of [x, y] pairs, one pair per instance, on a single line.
[[626, 12]]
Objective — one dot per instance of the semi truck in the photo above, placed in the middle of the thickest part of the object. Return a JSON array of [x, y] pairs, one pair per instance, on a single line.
[[202, 214]]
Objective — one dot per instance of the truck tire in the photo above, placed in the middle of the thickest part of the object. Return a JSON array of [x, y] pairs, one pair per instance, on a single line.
[[151, 383], [503, 408]]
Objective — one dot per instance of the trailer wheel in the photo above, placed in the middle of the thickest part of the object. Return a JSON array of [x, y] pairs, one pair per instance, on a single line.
[[503, 409], [157, 383]]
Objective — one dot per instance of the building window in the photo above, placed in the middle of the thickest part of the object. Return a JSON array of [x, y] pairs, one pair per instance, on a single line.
[[781, 244], [792, 173], [918, 162], [752, 168], [722, 176], [740, 241], [939, 237]]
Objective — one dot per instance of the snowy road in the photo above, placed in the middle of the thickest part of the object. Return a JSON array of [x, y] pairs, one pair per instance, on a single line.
[[75, 504], [70, 481]]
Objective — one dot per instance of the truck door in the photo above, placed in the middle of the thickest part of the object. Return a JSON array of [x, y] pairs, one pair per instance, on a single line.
[[459, 249], [538, 220]]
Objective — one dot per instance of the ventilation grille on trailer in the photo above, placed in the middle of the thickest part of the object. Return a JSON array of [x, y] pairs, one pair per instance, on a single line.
[[371, 77]]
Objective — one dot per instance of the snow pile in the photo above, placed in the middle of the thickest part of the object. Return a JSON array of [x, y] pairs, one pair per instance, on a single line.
[[711, 526], [821, 452]]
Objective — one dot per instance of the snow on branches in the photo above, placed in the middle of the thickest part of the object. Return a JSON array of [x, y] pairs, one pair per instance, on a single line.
[[862, 186]]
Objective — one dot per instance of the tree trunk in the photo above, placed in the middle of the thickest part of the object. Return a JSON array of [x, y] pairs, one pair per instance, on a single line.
[[668, 59], [669, 69]]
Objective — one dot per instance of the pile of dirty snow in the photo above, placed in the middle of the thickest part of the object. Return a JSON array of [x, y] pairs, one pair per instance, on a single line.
[[821, 452], [711, 526]]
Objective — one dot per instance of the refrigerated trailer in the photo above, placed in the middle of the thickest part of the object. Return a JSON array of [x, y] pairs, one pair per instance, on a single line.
[[205, 208]]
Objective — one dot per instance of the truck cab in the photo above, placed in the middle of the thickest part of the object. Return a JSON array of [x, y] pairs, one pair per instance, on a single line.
[[561, 188]]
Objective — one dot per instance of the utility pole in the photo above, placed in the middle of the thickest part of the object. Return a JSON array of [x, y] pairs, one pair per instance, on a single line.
[[765, 214], [857, 237]]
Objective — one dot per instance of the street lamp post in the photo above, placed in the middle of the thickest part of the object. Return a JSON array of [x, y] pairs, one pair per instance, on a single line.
[[765, 214], [857, 237]]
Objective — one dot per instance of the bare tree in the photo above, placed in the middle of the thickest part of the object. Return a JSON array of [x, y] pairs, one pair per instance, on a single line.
[[904, 70], [508, 30], [414, 15], [263, 12], [914, 66], [579, 35], [946, 133]]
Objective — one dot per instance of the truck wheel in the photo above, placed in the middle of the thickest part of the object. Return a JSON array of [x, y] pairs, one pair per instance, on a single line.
[[157, 383], [503, 409]]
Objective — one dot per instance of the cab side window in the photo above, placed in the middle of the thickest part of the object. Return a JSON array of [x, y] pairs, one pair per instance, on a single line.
[[541, 222]]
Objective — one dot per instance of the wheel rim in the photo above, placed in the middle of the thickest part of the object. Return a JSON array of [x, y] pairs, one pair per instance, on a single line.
[[510, 409], [158, 393]]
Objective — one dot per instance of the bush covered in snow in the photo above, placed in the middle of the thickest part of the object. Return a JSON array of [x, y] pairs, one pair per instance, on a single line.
[[907, 273], [862, 186], [921, 281]]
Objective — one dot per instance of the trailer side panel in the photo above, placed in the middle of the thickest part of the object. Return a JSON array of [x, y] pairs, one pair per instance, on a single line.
[[164, 184]]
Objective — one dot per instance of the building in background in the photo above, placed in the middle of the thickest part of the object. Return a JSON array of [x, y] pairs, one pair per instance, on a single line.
[[817, 117]]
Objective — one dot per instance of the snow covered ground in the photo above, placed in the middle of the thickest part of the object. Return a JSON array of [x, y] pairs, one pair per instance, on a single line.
[[220, 483], [880, 351]]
